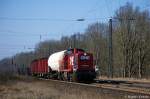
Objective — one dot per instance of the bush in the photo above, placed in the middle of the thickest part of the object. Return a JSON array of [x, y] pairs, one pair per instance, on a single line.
[[6, 76]]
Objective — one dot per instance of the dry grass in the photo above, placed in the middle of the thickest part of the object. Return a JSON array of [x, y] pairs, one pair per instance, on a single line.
[[5, 76], [41, 90], [29, 88]]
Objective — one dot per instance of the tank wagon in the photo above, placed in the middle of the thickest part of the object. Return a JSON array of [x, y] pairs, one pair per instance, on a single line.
[[72, 64]]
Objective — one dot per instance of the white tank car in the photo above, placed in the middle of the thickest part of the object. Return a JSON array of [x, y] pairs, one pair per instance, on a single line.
[[54, 60]]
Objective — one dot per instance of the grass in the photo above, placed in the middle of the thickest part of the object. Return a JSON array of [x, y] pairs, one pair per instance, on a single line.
[[24, 87], [30, 88], [6, 76]]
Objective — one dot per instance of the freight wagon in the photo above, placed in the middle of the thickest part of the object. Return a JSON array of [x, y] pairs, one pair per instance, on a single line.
[[72, 64], [39, 67]]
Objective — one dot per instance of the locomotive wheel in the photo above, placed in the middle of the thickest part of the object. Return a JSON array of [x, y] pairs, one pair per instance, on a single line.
[[69, 77], [60, 76], [65, 76], [74, 77]]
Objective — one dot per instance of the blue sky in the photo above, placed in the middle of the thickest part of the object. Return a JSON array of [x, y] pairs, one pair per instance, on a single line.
[[23, 21]]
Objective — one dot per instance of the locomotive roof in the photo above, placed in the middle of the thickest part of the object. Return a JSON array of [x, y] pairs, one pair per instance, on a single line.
[[75, 48]]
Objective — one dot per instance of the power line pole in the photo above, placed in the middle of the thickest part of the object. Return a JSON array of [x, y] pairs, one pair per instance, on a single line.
[[110, 60], [40, 46]]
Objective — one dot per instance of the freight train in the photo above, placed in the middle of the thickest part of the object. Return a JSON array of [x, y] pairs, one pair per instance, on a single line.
[[71, 64]]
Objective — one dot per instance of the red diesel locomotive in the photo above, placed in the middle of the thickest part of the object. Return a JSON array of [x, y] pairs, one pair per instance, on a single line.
[[72, 64]]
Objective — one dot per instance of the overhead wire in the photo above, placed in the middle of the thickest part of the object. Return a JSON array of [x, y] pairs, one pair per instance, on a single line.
[[15, 33], [84, 18], [34, 19], [46, 19], [53, 19]]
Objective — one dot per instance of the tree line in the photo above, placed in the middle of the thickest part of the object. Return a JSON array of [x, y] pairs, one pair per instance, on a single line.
[[130, 40]]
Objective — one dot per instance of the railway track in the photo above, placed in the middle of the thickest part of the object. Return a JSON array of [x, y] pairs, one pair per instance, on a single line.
[[125, 88], [119, 86], [143, 88]]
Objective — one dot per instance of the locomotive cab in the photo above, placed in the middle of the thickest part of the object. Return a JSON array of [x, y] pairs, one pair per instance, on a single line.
[[82, 65]]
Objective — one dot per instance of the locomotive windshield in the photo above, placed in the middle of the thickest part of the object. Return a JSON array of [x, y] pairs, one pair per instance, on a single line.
[[83, 58]]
